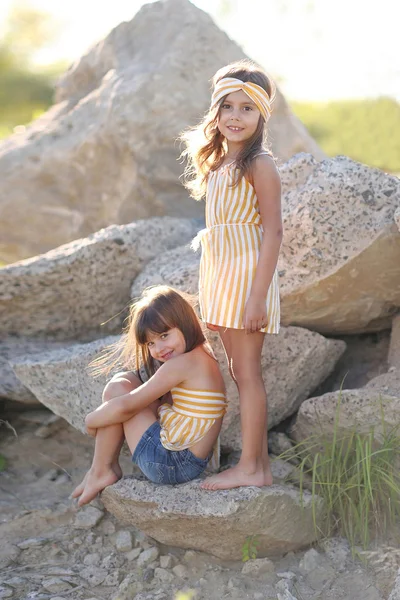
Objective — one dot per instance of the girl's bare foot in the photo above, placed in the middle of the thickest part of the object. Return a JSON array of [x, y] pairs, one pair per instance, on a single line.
[[96, 482], [237, 477], [79, 488]]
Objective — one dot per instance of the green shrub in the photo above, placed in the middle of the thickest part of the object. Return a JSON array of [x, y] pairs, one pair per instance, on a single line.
[[367, 131]]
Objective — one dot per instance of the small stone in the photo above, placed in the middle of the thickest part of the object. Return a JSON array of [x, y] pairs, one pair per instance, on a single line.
[[319, 577], [107, 527], [113, 561], [32, 543], [163, 575], [112, 579], [15, 581], [8, 554], [128, 588], [311, 560], [54, 584], [88, 517], [133, 554], [91, 559], [166, 561], [258, 566], [5, 592], [284, 589], [287, 575], [123, 541], [93, 575], [148, 574], [181, 571], [147, 556]]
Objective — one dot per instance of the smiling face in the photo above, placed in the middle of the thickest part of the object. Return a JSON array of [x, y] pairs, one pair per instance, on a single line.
[[163, 346], [238, 118]]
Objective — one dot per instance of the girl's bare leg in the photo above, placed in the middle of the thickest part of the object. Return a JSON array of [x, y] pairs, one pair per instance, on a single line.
[[244, 357], [105, 469]]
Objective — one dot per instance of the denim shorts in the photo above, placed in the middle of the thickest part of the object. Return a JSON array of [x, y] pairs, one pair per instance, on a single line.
[[164, 466]]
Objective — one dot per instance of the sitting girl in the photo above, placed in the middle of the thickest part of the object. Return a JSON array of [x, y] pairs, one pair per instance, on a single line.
[[171, 436]]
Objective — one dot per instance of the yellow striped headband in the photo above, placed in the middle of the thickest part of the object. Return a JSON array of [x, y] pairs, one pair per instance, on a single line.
[[227, 85]]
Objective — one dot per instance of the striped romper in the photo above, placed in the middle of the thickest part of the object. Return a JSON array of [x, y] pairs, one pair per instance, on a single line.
[[230, 250]]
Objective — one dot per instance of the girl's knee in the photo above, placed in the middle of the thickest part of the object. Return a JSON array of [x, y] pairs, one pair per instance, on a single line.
[[119, 385], [243, 373]]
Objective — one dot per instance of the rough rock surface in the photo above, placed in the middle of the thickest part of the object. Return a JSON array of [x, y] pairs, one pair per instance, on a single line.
[[217, 522], [340, 258], [360, 410], [62, 382], [82, 289], [178, 267], [106, 152], [294, 363], [394, 348], [14, 349]]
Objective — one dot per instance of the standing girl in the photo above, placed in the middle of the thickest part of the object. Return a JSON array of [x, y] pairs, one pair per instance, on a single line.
[[171, 442], [238, 287]]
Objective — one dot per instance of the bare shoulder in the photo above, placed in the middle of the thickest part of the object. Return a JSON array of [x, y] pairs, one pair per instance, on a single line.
[[264, 166]]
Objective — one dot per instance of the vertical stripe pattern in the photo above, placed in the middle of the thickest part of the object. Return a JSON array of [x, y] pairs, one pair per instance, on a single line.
[[230, 250]]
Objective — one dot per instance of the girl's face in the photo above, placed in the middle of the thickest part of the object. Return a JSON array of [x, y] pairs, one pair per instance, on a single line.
[[163, 346], [238, 117]]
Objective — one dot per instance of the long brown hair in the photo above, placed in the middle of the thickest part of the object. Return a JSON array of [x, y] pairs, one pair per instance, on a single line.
[[159, 309], [205, 150]]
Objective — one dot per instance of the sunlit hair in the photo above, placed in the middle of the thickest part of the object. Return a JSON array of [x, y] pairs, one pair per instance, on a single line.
[[205, 149], [159, 309]]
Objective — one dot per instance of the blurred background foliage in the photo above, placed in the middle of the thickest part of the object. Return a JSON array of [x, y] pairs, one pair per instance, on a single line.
[[364, 130], [26, 91]]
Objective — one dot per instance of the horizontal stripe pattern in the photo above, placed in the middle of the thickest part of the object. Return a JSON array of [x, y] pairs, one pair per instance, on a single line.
[[191, 416], [230, 250]]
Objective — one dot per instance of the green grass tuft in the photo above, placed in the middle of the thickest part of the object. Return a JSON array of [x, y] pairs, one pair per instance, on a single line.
[[357, 477]]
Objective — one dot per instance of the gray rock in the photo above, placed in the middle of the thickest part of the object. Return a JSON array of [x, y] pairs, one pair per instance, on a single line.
[[93, 575], [164, 575], [293, 363], [81, 290], [394, 348], [55, 584], [258, 566], [5, 592], [181, 571], [123, 541], [148, 556], [178, 268], [219, 523], [88, 517], [310, 561], [395, 593], [339, 263], [106, 152], [360, 410]]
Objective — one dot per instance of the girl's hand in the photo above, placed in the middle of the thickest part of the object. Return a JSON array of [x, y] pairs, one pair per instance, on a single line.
[[255, 314]]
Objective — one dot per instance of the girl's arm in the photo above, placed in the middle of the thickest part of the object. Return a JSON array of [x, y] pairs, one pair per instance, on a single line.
[[267, 185], [122, 408]]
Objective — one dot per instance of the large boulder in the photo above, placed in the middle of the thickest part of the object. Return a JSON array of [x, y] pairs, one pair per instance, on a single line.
[[81, 290], [294, 363], [60, 379], [217, 522], [340, 259], [105, 152], [375, 406]]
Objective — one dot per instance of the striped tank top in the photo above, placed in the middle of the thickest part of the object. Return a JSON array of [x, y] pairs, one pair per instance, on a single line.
[[230, 249], [191, 416]]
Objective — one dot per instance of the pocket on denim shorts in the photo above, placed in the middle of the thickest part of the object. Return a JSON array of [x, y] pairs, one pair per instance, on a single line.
[[159, 473]]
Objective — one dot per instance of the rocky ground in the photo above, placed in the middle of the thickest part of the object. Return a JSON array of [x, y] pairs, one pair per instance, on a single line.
[[52, 551]]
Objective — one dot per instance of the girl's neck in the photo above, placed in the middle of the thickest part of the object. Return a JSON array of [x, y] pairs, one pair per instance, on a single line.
[[232, 151]]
